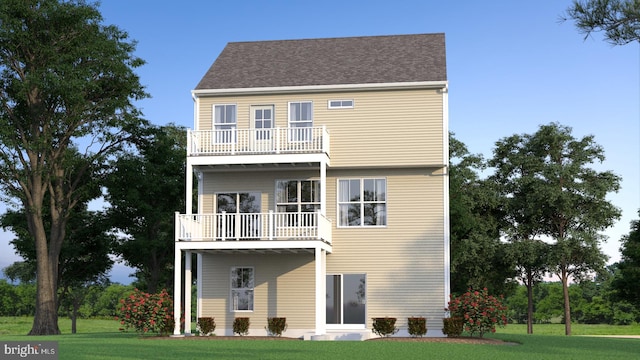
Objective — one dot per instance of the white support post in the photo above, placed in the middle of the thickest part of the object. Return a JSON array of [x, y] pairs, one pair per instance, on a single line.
[[177, 296], [187, 292], [323, 187], [189, 189], [321, 310]]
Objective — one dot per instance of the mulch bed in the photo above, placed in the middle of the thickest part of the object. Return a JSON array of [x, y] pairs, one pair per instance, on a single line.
[[451, 340]]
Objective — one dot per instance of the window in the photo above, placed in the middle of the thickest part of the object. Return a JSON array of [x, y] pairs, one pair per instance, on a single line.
[[242, 280], [224, 123], [362, 202], [298, 197], [300, 121], [238, 215], [340, 104]]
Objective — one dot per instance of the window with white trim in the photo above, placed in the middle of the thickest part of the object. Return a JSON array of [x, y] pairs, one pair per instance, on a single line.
[[362, 202], [300, 121], [225, 123], [297, 197], [340, 104], [242, 283]]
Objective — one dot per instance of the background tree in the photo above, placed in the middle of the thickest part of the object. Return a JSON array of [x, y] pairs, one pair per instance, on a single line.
[[619, 19], [570, 197], [625, 284], [522, 216], [478, 258], [145, 190], [66, 82]]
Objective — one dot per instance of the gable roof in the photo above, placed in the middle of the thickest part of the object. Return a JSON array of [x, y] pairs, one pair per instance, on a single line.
[[331, 61]]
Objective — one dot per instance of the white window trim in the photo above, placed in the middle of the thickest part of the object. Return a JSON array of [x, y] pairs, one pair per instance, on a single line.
[[300, 202], [341, 106], [214, 124], [362, 225], [231, 288]]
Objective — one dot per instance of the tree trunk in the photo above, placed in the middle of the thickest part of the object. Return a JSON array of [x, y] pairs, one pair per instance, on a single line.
[[529, 303], [45, 321], [567, 305]]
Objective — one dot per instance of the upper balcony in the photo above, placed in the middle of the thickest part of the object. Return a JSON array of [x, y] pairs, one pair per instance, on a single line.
[[273, 141]]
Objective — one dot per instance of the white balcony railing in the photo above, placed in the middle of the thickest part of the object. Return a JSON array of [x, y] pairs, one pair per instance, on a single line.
[[253, 226], [258, 141]]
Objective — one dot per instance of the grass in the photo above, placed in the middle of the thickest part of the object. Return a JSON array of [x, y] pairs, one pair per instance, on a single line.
[[100, 339]]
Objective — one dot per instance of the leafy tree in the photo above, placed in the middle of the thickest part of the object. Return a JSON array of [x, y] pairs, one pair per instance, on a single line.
[[522, 216], [568, 196], [478, 258], [66, 83], [626, 283], [619, 19], [145, 190]]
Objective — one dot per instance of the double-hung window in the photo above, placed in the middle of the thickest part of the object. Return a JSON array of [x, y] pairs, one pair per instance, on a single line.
[[225, 123], [362, 202], [242, 283], [300, 121]]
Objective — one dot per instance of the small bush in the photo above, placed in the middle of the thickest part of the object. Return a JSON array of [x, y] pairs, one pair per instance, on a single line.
[[417, 326], [241, 326], [453, 326], [207, 325], [276, 326], [384, 326], [481, 312], [147, 312]]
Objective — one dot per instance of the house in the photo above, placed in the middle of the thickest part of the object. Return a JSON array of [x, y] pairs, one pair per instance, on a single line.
[[322, 192]]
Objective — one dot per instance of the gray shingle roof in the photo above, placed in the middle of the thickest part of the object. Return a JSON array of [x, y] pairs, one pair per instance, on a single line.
[[332, 61]]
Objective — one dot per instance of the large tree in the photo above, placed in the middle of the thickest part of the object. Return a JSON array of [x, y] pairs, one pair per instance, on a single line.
[[145, 190], [478, 257], [618, 19], [626, 282], [67, 83], [569, 197], [84, 256], [522, 215]]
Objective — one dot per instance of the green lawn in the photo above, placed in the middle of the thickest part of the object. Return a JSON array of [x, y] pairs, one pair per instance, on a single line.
[[99, 339]]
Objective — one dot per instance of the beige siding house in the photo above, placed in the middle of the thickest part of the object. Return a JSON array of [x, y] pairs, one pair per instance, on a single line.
[[322, 186]]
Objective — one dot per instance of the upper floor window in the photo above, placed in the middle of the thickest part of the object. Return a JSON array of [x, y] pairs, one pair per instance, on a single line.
[[225, 123], [300, 120], [298, 195], [242, 283], [340, 104], [362, 202]]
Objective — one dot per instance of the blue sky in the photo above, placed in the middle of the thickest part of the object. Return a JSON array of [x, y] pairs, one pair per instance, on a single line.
[[512, 66]]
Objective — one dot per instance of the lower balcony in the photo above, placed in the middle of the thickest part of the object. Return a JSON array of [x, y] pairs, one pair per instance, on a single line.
[[253, 226]]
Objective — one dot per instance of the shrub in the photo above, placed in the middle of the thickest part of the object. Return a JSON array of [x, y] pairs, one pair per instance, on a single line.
[[384, 326], [146, 312], [417, 326], [241, 326], [276, 326], [207, 325], [453, 326], [481, 312]]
